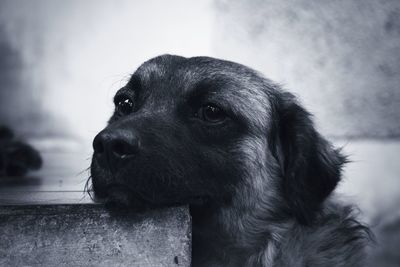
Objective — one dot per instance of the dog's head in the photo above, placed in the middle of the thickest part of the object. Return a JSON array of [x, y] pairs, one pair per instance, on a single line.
[[199, 130]]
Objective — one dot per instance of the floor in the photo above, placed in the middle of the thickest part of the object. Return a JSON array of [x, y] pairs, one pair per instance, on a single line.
[[61, 180]]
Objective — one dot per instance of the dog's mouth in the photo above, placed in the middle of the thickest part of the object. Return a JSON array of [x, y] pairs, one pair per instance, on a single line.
[[108, 189], [116, 196]]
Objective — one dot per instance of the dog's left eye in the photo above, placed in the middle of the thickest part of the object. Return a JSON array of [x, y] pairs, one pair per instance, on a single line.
[[211, 113], [125, 106]]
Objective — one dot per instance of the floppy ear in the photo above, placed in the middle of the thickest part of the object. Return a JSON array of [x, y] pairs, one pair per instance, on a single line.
[[311, 167]]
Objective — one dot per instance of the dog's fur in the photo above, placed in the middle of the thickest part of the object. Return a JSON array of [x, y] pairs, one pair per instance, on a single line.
[[258, 183]]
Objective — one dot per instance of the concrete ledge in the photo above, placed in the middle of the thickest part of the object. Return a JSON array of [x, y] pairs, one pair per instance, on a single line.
[[88, 235]]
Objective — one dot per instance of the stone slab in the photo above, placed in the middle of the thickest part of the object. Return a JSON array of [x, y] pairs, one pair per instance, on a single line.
[[88, 235]]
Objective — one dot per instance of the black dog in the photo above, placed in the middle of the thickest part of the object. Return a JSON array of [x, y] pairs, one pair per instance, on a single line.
[[241, 152], [16, 157]]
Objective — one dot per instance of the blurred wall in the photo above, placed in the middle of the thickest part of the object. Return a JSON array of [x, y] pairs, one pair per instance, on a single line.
[[62, 61]]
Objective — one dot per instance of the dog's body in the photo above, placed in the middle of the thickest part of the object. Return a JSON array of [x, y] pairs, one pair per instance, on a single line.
[[241, 152]]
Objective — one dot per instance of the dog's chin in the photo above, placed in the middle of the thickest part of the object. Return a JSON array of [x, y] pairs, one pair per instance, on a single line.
[[117, 197]]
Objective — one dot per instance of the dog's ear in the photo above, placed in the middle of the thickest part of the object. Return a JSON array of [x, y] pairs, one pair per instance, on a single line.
[[311, 167]]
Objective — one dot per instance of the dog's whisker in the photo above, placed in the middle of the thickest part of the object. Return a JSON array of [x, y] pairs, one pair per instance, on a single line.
[[83, 171], [88, 188]]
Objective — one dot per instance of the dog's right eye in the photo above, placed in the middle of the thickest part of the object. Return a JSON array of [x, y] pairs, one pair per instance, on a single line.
[[211, 113], [124, 106]]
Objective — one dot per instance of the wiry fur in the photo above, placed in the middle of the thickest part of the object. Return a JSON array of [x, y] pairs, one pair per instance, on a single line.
[[259, 185]]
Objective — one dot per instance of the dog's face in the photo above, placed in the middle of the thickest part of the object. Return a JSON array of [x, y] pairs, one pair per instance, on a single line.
[[195, 130]]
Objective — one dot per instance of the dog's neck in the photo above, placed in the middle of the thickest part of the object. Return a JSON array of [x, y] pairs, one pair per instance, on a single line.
[[241, 233], [247, 229], [234, 236], [255, 228]]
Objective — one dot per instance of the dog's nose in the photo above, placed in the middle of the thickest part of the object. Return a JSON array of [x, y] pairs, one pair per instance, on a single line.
[[116, 144]]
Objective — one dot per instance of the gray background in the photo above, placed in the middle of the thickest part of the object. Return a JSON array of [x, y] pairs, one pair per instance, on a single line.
[[62, 61]]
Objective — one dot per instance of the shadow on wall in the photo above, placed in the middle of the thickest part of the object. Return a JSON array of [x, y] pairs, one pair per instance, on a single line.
[[341, 57]]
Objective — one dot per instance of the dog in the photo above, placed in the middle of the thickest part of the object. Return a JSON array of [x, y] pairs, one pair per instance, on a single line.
[[241, 152]]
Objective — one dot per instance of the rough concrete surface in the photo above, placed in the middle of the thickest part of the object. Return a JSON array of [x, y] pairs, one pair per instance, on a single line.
[[88, 235]]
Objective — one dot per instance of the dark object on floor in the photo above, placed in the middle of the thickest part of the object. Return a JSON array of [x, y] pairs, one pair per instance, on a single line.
[[16, 157], [242, 152]]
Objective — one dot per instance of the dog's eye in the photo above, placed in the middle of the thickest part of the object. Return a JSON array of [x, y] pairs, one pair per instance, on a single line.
[[125, 106], [211, 113]]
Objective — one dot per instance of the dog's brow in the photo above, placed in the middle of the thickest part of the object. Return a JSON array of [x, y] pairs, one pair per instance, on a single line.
[[205, 87], [134, 83]]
